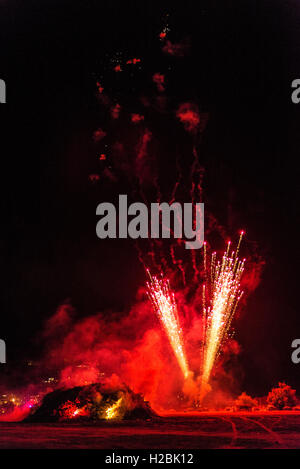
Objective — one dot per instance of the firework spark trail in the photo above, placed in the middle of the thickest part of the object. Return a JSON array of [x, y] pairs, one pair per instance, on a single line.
[[164, 304], [173, 195], [225, 295], [178, 263], [140, 255], [195, 171], [162, 256], [111, 412]]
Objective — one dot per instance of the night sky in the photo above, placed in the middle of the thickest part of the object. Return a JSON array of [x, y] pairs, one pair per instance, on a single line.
[[243, 58]]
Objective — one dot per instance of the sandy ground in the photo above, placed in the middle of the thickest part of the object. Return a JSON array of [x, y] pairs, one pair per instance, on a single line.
[[197, 431]]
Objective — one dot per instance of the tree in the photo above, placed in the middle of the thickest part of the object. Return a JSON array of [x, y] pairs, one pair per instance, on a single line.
[[282, 396]]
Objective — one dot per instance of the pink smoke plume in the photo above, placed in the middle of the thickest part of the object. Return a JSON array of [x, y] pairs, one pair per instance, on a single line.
[[130, 348], [115, 111], [98, 135], [159, 80], [178, 49], [191, 118]]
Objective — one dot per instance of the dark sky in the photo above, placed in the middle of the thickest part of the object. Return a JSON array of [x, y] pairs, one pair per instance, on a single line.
[[243, 58]]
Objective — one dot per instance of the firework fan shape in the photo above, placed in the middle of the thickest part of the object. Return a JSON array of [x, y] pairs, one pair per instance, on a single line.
[[164, 304], [224, 295], [221, 295]]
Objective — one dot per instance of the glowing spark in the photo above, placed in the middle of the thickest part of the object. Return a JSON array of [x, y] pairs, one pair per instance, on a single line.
[[204, 256], [164, 304], [224, 297], [111, 412]]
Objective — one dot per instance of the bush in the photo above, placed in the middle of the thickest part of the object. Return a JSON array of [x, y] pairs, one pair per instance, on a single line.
[[245, 402], [282, 396]]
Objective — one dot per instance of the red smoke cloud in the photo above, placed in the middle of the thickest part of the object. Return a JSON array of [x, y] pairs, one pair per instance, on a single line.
[[94, 177], [115, 111], [118, 68], [191, 118], [17, 415], [136, 118], [178, 49], [159, 80], [252, 276], [133, 61], [143, 168], [100, 87], [188, 114], [131, 349], [98, 135]]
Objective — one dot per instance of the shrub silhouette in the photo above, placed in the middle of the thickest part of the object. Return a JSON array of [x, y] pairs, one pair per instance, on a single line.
[[245, 402], [282, 396]]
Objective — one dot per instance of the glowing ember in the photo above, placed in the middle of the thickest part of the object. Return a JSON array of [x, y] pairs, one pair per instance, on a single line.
[[69, 410], [111, 412], [224, 296], [164, 304]]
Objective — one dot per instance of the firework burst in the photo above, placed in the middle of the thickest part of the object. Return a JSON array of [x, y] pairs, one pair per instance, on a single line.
[[164, 304], [220, 297], [222, 287]]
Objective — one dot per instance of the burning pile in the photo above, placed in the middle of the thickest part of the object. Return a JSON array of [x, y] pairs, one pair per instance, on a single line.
[[91, 403]]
